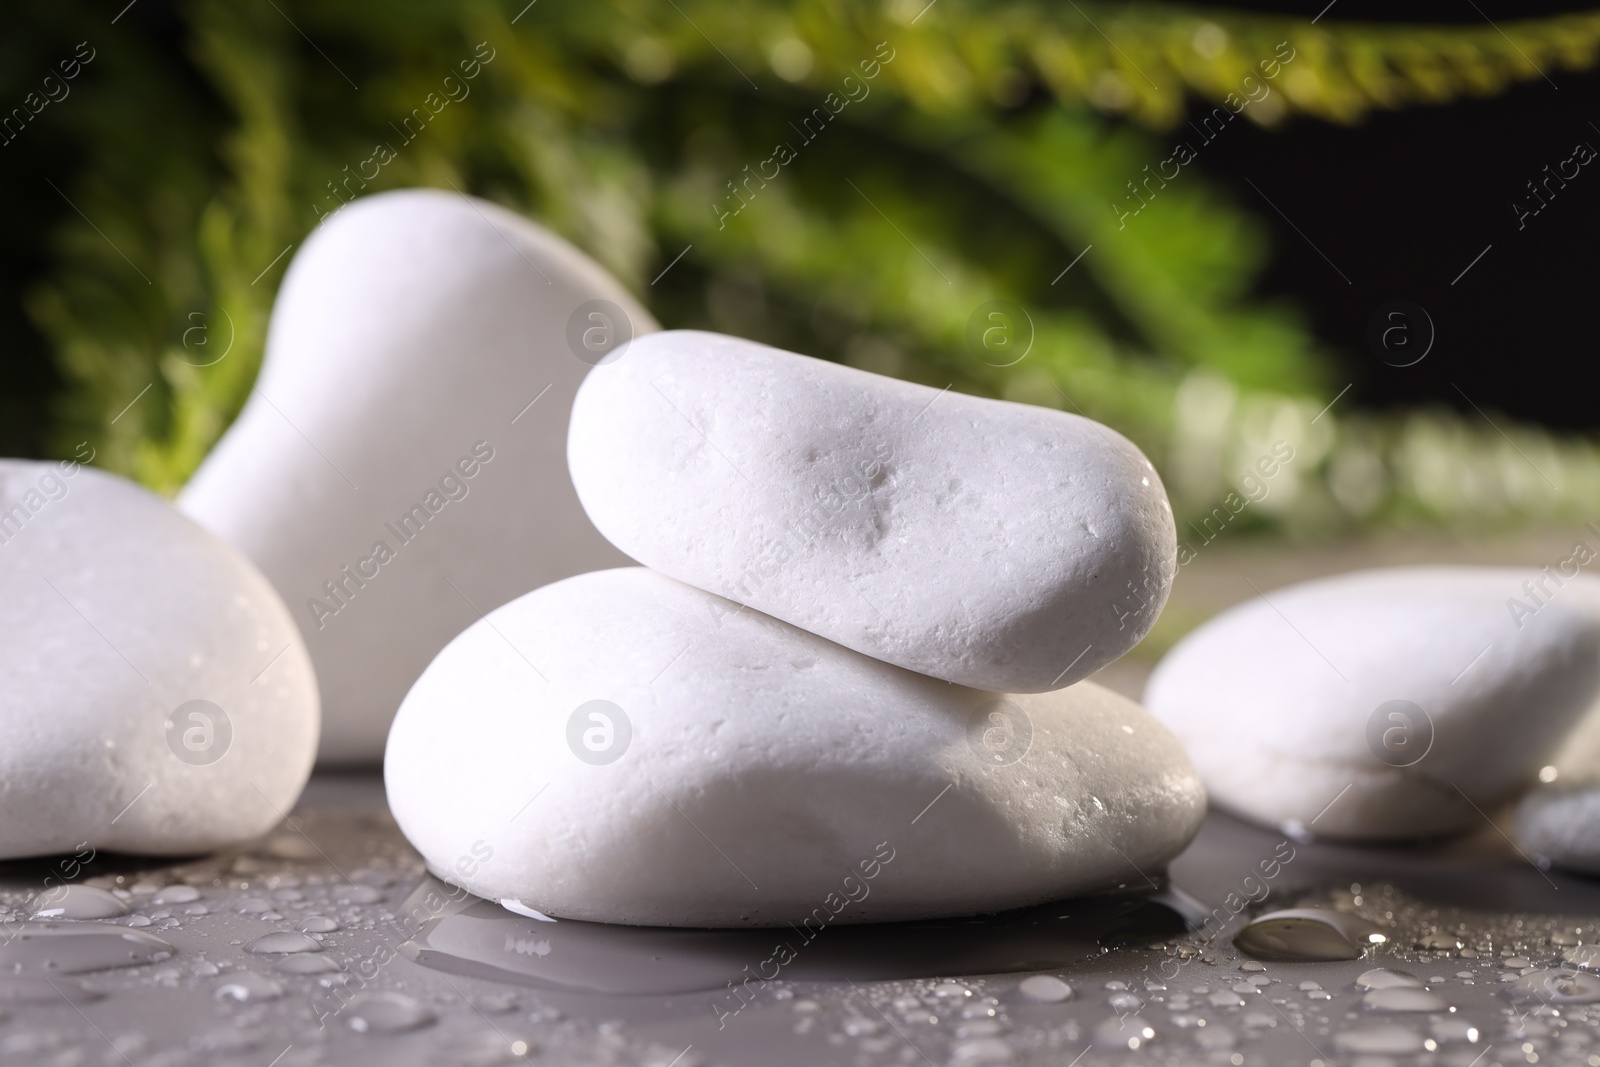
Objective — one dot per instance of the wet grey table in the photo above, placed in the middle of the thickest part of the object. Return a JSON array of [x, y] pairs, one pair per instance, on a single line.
[[326, 943]]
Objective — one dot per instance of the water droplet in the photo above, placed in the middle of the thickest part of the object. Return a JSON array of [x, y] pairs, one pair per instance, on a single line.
[[1402, 999], [983, 1050], [1307, 934], [74, 948], [1224, 998], [495, 1003], [356, 894], [1045, 987], [318, 924], [246, 985], [1125, 1003], [1379, 1041], [1125, 1032], [1251, 966], [1384, 978], [307, 963], [79, 902], [1585, 956], [1455, 1030], [283, 941], [387, 1013], [1439, 942], [1556, 987], [253, 906], [178, 894]]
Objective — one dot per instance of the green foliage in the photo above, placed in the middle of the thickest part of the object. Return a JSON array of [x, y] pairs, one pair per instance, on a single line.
[[976, 164]]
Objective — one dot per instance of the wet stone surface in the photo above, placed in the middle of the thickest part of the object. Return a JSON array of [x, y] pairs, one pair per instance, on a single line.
[[326, 942]]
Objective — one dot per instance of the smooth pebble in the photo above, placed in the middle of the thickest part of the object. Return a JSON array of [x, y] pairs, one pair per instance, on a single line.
[[155, 696], [991, 544], [1384, 704], [742, 771], [400, 466]]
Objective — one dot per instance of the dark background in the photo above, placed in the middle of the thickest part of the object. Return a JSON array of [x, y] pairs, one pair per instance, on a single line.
[[1400, 203], [1404, 201]]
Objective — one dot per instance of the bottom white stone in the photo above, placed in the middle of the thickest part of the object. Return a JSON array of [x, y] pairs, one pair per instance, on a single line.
[[621, 747]]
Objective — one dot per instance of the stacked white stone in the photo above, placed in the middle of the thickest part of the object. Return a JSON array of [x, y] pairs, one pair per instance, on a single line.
[[799, 713]]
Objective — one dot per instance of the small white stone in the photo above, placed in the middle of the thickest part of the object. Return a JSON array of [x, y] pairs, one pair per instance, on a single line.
[[414, 395], [1561, 823], [990, 544], [1383, 704], [155, 696], [622, 747]]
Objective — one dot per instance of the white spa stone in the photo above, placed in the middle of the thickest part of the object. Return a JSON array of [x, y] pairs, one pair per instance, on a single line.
[[743, 772], [991, 544], [418, 364], [1384, 704], [1559, 819], [155, 696], [1560, 822]]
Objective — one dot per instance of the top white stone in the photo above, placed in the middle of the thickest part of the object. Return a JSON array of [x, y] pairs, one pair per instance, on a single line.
[[991, 544], [1384, 704], [400, 467]]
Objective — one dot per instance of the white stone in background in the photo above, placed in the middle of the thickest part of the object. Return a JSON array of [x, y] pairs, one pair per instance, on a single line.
[[411, 334], [743, 772], [122, 620], [1561, 823], [986, 543], [1560, 820], [1365, 705]]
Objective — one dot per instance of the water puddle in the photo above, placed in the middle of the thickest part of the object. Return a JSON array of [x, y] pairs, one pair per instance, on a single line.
[[1307, 935], [46, 948], [483, 939]]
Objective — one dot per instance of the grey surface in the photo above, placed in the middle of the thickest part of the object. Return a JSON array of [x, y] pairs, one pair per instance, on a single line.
[[858, 996]]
